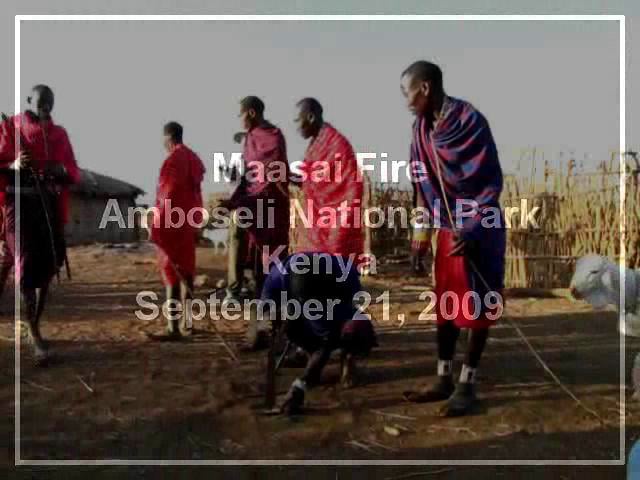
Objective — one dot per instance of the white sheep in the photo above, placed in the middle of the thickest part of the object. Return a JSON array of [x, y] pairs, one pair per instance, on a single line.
[[597, 280]]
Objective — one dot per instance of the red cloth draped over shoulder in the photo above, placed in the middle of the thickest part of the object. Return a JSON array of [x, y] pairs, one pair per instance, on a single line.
[[47, 143], [179, 190], [332, 179], [264, 189]]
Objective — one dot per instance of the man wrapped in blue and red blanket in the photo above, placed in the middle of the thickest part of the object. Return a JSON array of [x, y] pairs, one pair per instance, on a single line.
[[454, 163]]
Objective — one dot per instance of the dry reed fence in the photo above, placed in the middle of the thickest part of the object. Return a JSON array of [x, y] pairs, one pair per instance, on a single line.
[[579, 213]]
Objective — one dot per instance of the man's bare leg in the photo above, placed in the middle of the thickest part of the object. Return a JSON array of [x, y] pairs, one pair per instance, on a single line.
[[186, 288], [6, 263], [4, 276], [173, 322], [463, 399], [42, 294], [347, 369], [170, 309], [294, 400], [447, 336], [235, 268], [34, 302]]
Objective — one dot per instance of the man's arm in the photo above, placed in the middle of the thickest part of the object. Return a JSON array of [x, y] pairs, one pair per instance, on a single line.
[[69, 159], [8, 158], [63, 169], [238, 198], [421, 238], [165, 191], [487, 178], [239, 137]]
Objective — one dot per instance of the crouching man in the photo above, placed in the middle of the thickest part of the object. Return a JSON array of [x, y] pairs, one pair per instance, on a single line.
[[315, 295]]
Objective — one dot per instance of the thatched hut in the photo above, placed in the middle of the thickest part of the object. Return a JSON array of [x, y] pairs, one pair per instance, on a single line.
[[88, 202]]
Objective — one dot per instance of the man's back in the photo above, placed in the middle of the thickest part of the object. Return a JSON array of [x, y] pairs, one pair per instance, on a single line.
[[333, 181], [322, 286], [180, 179]]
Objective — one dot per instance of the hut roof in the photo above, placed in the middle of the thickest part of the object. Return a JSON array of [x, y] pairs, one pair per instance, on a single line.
[[97, 185]]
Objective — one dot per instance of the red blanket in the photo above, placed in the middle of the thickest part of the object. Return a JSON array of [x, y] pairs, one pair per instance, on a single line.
[[332, 180], [456, 280], [265, 188], [179, 189]]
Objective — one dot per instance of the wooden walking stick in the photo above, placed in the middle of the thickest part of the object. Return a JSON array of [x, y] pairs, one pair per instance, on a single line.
[[272, 365]]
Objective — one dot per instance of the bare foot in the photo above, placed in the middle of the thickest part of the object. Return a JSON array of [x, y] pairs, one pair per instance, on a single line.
[[41, 355]]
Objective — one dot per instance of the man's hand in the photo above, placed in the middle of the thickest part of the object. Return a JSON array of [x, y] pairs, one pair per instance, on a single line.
[[147, 223], [57, 172], [23, 161], [226, 204], [238, 137]]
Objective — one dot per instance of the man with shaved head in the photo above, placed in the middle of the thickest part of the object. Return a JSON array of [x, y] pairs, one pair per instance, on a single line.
[[264, 187], [179, 188], [331, 181], [454, 162], [41, 151], [331, 178]]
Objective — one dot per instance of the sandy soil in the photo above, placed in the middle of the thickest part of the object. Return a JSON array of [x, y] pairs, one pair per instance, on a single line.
[[146, 400]]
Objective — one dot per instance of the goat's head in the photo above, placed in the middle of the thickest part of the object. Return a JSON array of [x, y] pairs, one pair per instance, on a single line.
[[594, 281]]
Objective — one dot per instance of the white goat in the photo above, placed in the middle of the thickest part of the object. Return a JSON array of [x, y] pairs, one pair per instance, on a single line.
[[219, 239], [597, 280]]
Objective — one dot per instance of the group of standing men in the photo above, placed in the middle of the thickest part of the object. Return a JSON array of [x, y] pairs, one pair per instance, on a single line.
[[453, 156]]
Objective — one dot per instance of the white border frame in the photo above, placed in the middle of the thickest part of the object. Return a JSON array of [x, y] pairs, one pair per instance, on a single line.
[[17, 105]]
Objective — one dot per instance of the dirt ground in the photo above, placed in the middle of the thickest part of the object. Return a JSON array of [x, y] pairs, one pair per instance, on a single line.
[[112, 394]]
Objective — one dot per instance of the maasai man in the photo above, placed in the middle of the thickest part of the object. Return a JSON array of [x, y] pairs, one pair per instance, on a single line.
[[236, 238], [264, 189], [6, 259], [42, 152], [179, 189], [331, 182], [455, 164], [315, 293]]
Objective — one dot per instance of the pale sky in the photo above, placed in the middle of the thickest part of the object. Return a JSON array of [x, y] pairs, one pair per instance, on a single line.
[[550, 85]]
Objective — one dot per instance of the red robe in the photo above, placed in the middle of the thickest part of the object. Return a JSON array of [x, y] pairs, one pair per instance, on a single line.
[[266, 186], [46, 142], [332, 177], [179, 189]]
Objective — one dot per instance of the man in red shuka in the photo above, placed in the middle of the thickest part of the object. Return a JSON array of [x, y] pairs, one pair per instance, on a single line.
[[264, 188], [41, 151], [175, 233], [331, 181]]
